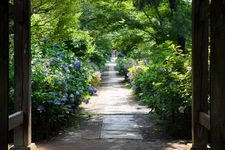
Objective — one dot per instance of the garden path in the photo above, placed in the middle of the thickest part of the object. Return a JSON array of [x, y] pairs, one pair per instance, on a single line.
[[115, 122]]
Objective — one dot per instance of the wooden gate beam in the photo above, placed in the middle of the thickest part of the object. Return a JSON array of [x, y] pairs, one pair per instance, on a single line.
[[4, 73], [200, 19], [217, 74]]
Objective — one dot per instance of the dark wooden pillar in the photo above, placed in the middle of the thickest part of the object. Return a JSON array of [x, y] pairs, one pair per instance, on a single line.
[[4, 73], [200, 18], [22, 57], [218, 74]]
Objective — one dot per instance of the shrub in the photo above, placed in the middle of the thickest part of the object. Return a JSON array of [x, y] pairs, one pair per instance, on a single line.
[[165, 85], [134, 70], [60, 83], [95, 78], [123, 64]]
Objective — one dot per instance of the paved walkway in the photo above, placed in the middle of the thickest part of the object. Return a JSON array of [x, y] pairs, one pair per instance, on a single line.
[[116, 122]]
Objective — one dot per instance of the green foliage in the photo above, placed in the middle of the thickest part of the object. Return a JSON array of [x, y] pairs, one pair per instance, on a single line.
[[95, 79], [123, 64], [136, 69], [166, 86]]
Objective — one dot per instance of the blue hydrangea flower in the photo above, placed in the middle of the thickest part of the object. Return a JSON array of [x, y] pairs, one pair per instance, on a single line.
[[41, 108], [134, 87], [60, 55], [64, 98], [69, 106], [77, 64], [77, 93], [90, 90], [45, 72], [57, 102], [67, 69], [53, 60], [94, 90], [71, 96]]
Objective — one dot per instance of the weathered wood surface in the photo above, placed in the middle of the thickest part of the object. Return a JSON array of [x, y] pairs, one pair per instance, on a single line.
[[4, 73], [217, 74], [22, 57], [204, 120], [15, 120], [200, 18]]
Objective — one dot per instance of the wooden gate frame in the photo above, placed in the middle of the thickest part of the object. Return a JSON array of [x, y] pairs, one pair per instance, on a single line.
[[208, 18], [20, 121]]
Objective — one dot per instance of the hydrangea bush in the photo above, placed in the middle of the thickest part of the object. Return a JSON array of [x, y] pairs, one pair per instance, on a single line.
[[60, 83], [164, 85]]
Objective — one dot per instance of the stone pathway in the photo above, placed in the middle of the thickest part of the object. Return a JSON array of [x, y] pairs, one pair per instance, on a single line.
[[116, 122]]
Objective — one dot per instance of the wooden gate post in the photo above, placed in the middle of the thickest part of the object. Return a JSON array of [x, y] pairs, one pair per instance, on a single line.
[[22, 58], [218, 74], [200, 19], [4, 73]]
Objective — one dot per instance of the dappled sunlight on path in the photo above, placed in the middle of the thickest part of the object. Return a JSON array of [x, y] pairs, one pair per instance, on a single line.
[[116, 122]]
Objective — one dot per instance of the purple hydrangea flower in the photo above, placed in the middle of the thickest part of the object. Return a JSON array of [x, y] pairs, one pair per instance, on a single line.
[[41, 108]]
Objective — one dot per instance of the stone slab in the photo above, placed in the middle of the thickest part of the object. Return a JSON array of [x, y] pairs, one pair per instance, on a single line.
[[120, 127], [105, 134]]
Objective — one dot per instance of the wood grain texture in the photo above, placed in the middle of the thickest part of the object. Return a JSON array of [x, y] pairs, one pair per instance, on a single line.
[[217, 74], [204, 120], [200, 19], [4, 73], [22, 57]]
